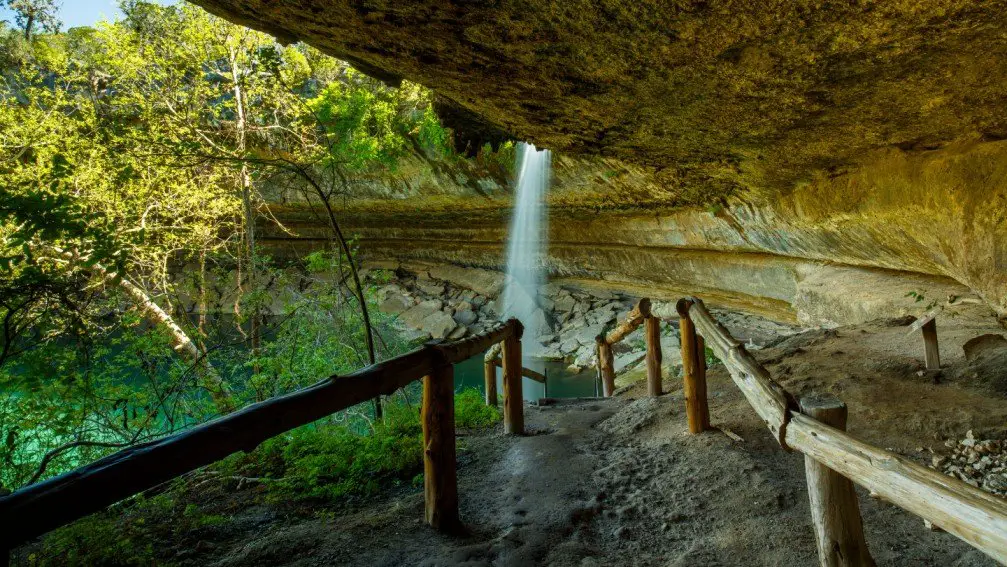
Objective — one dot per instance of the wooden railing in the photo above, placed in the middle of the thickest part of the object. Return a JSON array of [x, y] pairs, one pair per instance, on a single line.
[[42, 507], [815, 426], [491, 361], [640, 315]]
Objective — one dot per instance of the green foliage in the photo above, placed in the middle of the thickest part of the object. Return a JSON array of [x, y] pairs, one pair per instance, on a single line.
[[471, 411], [349, 456], [124, 536], [333, 461], [711, 357], [34, 15]]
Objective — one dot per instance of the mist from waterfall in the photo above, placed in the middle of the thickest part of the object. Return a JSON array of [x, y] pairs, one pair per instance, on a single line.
[[527, 241]]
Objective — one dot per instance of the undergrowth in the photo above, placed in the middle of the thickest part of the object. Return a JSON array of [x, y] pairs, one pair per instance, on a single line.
[[317, 465]]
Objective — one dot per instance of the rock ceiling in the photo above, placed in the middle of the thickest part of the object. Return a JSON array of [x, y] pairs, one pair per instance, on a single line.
[[718, 95]]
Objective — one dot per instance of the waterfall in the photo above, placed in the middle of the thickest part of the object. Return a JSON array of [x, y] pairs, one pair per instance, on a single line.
[[527, 242]]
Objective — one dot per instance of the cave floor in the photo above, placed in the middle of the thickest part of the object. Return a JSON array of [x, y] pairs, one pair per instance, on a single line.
[[621, 482]]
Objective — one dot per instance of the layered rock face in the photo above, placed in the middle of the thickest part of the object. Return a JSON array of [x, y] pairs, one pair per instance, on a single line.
[[837, 249], [782, 157]]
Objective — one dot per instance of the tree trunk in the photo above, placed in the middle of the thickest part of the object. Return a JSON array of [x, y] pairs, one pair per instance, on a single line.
[[209, 379], [245, 183], [337, 232]]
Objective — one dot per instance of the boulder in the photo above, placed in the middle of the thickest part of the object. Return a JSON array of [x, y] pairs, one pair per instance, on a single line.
[[415, 315], [459, 332], [569, 346], [415, 335], [628, 360], [430, 287], [586, 336], [395, 304], [465, 317], [977, 347], [485, 282], [584, 357], [546, 339], [439, 324], [564, 302]]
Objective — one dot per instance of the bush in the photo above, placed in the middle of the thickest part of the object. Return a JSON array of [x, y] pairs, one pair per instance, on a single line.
[[332, 461], [471, 412], [335, 460]]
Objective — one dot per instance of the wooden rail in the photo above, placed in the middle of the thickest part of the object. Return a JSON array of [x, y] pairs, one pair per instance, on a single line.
[[42, 507], [974, 515], [639, 315]]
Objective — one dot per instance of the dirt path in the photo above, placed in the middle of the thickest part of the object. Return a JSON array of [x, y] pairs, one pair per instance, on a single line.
[[621, 482]]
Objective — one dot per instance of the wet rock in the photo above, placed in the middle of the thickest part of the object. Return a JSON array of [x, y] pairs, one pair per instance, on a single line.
[[483, 282], [395, 304], [564, 302], [415, 315], [465, 317], [430, 287], [439, 324]]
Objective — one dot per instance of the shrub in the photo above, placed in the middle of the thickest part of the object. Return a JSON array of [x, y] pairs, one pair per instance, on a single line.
[[471, 412]]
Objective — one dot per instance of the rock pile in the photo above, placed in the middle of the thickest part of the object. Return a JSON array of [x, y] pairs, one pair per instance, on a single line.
[[568, 319], [980, 463]]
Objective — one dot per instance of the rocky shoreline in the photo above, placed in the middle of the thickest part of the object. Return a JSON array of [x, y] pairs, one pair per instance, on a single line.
[[451, 302]]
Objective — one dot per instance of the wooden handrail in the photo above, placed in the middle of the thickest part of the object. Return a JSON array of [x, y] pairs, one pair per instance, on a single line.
[[42, 507], [526, 372], [639, 315], [768, 398], [974, 515]]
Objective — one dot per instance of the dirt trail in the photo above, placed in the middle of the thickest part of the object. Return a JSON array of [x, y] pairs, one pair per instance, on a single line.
[[621, 482]]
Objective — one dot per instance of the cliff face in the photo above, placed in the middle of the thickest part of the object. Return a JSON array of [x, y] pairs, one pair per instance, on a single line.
[[741, 144], [828, 250]]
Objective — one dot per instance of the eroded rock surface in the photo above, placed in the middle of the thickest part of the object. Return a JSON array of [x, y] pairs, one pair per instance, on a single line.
[[742, 143]]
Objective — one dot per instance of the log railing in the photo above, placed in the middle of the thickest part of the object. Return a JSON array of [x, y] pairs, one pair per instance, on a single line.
[[42, 507], [640, 315], [816, 427]]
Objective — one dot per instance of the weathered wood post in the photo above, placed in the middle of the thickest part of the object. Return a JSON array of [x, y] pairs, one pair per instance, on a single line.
[[440, 475], [490, 374], [653, 337], [928, 325], [606, 364], [512, 389], [490, 379], [835, 511], [694, 376], [931, 353]]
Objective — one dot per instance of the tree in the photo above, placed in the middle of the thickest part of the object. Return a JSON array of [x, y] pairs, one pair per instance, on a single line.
[[30, 15]]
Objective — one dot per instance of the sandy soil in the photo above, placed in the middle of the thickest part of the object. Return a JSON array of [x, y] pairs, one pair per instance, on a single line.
[[621, 482]]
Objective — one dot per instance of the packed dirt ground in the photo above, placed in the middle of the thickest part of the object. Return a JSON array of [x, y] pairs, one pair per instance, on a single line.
[[621, 482]]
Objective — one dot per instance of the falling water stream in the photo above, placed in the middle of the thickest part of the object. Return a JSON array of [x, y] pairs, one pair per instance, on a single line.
[[525, 273], [526, 248]]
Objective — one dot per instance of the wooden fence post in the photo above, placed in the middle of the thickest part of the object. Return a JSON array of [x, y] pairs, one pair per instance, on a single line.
[[835, 511], [440, 474], [653, 336], [512, 388], [490, 379], [694, 375], [606, 363], [931, 353]]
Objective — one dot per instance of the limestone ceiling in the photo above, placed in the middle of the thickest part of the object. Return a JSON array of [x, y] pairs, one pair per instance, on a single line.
[[715, 95]]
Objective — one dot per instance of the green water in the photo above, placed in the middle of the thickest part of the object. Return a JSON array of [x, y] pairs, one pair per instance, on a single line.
[[561, 383]]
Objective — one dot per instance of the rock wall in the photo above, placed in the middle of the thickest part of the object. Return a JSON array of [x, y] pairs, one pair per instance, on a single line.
[[835, 250], [745, 144]]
